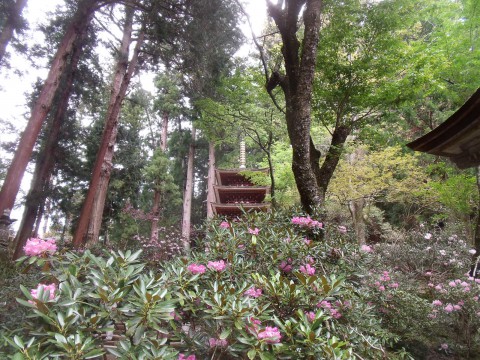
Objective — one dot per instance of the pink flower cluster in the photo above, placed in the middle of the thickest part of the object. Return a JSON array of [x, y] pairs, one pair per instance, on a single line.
[[366, 249], [286, 266], [50, 288], [221, 343], [253, 292], [36, 247], [328, 307], [307, 269], [342, 229], [253, 231], [184, 357], [217, 265], [196, 268], [384, 279], [224, 225], [271, 335], [306, 222]]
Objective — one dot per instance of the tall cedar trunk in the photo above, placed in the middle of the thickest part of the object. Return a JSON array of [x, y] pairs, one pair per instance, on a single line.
[[13, 179], [325, 174], [157, 191], [45, 164], [270, 168], [297, 85], [96, 216], [119, 88], [187, 197], [211, 179], [356, 210], [11, 24]]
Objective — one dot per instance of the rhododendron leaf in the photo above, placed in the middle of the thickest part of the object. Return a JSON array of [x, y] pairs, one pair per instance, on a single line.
[[18, 356], [19, 342], [266, 356], [93, 354], [251, 354], [225, 334], [139, 331], [25, 303]]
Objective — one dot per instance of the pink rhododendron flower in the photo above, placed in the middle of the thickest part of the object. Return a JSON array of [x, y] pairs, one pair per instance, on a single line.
[[224, 225], [385, 276], [393, 285], [36, 247], [253, 292], [184, 357], [196, 268], [50, 288], [438, 287], [437, 303], [311, 316], [428, 236], [444, 346], [217, 343], [381, 288], [448, 308], [271, 335], [366, 248], [342, 229], [472, 251], [452, 283], [306, 222], [307, 241], [253, 231], [217, 265], [285, 266], [307, 269]]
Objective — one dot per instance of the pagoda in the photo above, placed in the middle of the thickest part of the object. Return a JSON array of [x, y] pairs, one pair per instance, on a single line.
[[235, 193]]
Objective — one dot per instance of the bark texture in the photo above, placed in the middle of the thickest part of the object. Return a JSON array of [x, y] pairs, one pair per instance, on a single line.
[[157, 192], [44, 166], [187, 197], [211, 179], [119, 88], [77, 27], [297, 85]]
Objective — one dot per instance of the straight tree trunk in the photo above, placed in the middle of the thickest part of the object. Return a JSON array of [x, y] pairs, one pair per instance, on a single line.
[[325, 174], [123, 73], [77, 27], [12, 23], [45, 165], [211, 179], [157, 192], [297, 86], [477, 227], [187, 197], [356, 210]]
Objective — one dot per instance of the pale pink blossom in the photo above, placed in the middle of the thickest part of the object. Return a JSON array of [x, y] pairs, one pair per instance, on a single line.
[[307, 241], [307, 269], [196, 268], [217, 265], [448, 308], [472, 251], [428, 236], [381, 288], [271, 335], [184, 357], [311, 316], [366, 249], [437, 303], [222, 343], [253, 292], [224, 225], [342, 229], [253, 231], [36, 247], [50, 288], [444, 346], [452, 283], [393, 285], [285, 266], [306, 222]]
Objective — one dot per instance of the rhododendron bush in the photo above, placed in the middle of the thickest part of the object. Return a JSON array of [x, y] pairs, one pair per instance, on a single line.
[[268, 287]]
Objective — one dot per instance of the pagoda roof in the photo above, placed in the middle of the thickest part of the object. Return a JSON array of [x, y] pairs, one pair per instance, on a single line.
[[234, 194], [232, 210], [457, 138], [234, 176]]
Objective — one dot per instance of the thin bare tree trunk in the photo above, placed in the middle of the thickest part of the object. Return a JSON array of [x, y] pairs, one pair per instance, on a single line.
[[477, 228], [187, 197], [119, 88], [157, 192], [356, 210], [42, 106], [12, 23], [211, 179]]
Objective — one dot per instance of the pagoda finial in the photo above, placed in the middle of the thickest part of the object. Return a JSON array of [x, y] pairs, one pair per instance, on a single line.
[[242, 153]]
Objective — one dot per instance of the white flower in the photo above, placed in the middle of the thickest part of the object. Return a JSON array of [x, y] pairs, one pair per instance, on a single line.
[[428, 236], [443, 252], [472, 251]]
